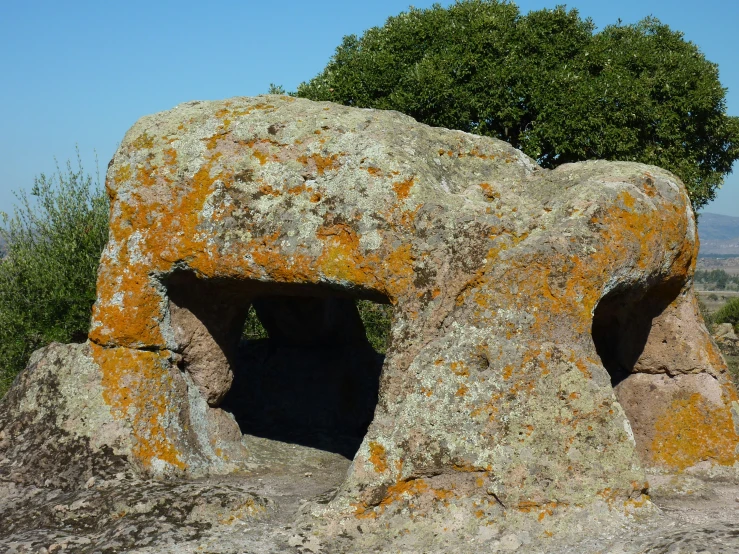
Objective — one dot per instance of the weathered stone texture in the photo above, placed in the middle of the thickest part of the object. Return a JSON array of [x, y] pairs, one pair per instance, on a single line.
[[521, 296], [54, 428]]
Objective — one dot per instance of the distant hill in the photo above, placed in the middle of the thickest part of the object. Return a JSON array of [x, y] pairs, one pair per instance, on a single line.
[[719, 234]]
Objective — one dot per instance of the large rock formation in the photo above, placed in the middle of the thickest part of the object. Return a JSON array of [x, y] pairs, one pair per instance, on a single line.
[[546, 344]]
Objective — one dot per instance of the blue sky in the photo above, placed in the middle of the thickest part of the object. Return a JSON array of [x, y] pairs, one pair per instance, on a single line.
[[82, 72]]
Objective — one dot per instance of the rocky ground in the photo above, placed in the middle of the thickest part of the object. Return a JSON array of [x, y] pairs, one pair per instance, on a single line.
[[265, 512]]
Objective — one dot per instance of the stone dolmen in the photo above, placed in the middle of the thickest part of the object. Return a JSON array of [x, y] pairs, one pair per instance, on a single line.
[[546, 346]]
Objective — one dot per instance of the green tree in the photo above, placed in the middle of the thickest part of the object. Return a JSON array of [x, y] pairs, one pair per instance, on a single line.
[[547, 83], [377, 319], [53, 243], [729, 313]]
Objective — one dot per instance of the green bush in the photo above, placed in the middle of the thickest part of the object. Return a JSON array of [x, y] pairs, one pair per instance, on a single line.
[[729, 313], [253, 329], [53, 241], [376, 319]]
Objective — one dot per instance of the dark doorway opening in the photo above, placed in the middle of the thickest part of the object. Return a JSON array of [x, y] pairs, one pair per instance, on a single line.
[[308, 376], [305, 368], [622, 322]]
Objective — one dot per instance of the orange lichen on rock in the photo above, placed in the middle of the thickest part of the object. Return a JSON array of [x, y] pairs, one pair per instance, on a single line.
[[378, 457], [138, 388], [320, 163], [692, 430], [402, 490], [402, 188]]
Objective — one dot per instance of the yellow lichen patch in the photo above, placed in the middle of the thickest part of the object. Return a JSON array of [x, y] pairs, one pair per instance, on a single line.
[[300, 189], [320, 163], [268, 190], [399, 267], [266, 256], [374, 171], [170, 156], [489, 192], [627, 199], [247, 510], [407, 219], [636, 502], [341, 258], [122, 174], [462, 390], [128, 311], [259, 156], [692, 430], [580, 364], [143, 142], [460, 368], [477, 154], [443, 494], [261, 149], [136, 386], [402, 188], [507, 372], [400, 490], [648, 185], [491, 407], [146, 177], [544, 508], [212, 142], [378, 457]]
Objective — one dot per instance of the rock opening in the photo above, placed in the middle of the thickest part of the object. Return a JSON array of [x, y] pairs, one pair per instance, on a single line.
[[303, 372], [622, 322]]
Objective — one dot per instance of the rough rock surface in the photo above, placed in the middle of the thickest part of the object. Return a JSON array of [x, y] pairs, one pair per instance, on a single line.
[[725, 331], [521, 298]]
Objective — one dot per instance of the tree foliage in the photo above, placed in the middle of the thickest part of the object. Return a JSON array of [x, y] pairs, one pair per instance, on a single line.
[[53, 243], [547, 83], [377, 319], [729, 313], [716, 279]]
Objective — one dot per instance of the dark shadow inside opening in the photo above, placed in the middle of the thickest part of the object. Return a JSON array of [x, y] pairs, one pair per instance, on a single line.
[[308, 374], [622, 322], [314, 381]]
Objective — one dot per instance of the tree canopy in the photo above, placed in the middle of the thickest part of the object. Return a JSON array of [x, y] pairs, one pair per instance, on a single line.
[[547, 83]]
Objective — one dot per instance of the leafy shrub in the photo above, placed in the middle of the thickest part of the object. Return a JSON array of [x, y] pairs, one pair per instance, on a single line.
[[729, 313], [53, 242], [376, 319], [253, 329]]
